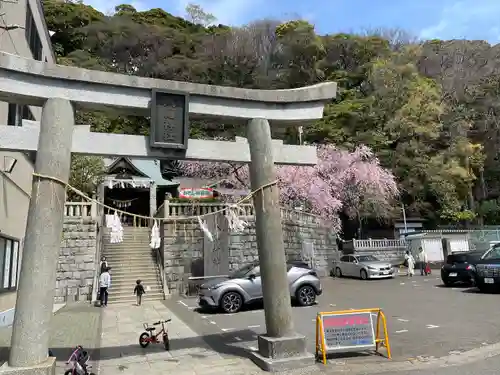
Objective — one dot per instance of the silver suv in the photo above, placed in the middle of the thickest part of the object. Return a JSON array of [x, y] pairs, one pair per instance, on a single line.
[[245, 286]]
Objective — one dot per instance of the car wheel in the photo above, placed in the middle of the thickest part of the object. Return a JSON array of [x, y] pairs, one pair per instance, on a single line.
[[306, 295], [231, 302], [364, 275], [338, 272], [447, 283]]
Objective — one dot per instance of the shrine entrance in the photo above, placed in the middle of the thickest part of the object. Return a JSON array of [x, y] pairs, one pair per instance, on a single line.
[[169, 105]]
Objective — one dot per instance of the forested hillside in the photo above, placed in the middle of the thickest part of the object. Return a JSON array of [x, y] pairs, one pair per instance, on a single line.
[[428, 110]]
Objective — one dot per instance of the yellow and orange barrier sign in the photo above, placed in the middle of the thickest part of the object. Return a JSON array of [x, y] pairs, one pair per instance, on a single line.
[[350, 331]]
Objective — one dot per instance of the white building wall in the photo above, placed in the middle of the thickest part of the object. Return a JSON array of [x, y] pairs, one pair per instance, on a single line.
[[21, 25]]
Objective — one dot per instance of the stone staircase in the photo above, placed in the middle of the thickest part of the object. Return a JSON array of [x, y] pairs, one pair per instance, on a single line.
[[131, 260]]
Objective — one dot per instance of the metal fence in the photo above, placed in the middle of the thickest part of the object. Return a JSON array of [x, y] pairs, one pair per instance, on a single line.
[[481, 239]]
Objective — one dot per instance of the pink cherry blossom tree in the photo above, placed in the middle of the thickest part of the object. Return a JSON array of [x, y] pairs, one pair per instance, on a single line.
[[351, 182]]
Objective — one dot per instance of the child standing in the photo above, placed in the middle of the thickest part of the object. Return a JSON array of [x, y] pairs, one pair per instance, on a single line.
[[139, 291]]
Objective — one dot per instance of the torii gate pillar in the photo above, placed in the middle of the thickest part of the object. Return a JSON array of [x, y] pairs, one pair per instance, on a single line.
[[30, 82], [280, 348], [34, 304]]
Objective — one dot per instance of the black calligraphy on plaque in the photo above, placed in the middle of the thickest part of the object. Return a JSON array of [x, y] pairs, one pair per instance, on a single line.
[[216, 251], [216, 254], [169, 125]]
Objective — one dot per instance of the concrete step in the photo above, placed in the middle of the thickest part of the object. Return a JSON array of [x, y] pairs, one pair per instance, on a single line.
[[129, 253], [127, 230], [145, 277], [144, 269], [138, 256], [116, 267], [132, 300], [128, 249], [127, 284], [129, 289], [127, 241], [121, 294], [134, 273], [129, 236], [130, 233], [130, 230], [130, 262], [131, 245], [128, 267], [131, 281]]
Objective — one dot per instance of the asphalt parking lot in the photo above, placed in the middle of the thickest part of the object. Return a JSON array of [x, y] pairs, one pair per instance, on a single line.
[[425, 319]]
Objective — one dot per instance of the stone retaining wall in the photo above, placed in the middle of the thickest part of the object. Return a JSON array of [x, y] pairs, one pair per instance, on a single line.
[[305, 239], [77, 263]]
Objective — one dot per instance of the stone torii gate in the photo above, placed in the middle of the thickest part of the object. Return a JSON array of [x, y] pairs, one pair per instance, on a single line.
[[61, 89]]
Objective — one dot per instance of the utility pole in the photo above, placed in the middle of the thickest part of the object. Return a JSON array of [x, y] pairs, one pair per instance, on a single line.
[[280, 348], [404, 218]]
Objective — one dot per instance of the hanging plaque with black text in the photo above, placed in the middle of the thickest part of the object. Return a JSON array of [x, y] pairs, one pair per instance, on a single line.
[[169, 120]]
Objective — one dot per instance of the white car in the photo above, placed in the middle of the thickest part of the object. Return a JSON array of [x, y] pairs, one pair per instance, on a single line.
[[363, 266]]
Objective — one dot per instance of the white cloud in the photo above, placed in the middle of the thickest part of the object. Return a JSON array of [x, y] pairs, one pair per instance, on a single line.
[[461, 19]]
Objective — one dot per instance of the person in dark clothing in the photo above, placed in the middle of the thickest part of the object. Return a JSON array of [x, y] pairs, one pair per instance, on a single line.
[[139, 291]]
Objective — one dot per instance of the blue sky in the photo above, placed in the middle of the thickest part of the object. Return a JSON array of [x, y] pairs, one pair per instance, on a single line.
[[444, 19]]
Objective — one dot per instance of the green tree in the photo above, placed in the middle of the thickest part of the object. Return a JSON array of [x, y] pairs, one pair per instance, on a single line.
[[300, 53], [198, 16], [65, 18], [87, 172]]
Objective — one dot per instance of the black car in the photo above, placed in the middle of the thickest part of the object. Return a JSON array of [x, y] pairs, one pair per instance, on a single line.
[[460, 267], [488, 270]]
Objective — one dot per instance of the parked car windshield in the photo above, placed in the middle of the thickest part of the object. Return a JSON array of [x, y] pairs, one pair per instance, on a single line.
[[242, 272], [367, 258], [493, 253], [466, 257]]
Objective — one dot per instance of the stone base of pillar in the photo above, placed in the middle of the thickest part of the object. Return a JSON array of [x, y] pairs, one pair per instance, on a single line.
[[45, 368], [282, 354]]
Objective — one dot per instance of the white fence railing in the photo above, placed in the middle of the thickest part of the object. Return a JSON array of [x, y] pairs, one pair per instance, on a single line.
[[199, 209], [189, 210], [80, 209], [183, 210], [378, 244]]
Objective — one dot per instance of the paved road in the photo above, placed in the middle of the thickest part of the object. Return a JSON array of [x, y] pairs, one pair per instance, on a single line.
[[487, 366], [425, 320]]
